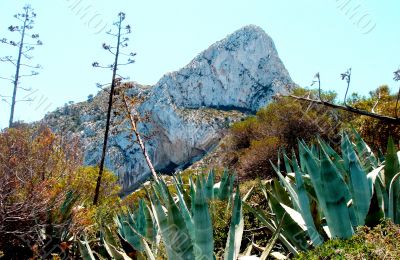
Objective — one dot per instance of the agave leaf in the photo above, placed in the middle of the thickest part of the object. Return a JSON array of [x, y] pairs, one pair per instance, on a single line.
[[231, 183], [367, 157], [336, 159], [375, 213], [248, 194], [85, 250], [185, 212], [359, 187], [372, 176], [314, 150], [111, 246], [394, 204], [192, 192], [382, 196], [108, 236], [292, 230], [248, 250], [392, 168], [273, 240], [178, 181], [141, 223], [223, 193], [279, 192], [312, 166], [381, 156], [287, 163], [148, 251], [278, 256], [265, 220], [204, 241], [151, 229], [179, 239], [260, 215], [334, 191], [294, 197], [295, 215], [114, 252], [235, 234], [209, 187], [304, 205], [162, 222], [391, 163], [126, 223]]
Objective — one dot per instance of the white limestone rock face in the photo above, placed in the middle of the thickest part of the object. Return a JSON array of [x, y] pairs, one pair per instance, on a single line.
[[241, 71], [189, 109]]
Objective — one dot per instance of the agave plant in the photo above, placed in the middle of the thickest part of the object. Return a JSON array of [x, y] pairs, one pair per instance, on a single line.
[[181, 221], [186, 225], [328, 195]]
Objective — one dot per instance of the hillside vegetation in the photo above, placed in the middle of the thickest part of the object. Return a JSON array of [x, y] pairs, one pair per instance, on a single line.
[[47, 193]]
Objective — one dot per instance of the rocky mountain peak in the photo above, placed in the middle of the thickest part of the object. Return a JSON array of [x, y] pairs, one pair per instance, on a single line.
[[241, 71]]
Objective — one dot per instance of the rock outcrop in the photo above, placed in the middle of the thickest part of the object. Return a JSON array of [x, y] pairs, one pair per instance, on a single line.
[[189, 109]]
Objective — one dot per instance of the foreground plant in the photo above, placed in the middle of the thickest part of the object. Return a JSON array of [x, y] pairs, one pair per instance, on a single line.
[[178, 225], [329, 195]]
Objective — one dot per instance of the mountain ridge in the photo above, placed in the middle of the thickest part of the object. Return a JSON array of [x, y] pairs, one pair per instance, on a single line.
[[189, 108]]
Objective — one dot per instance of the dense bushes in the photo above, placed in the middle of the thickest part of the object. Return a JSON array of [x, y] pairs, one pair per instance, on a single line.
[[45, 194], [31, 164], [252, 143]]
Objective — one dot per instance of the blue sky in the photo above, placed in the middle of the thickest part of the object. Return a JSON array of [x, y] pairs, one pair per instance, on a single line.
[[311, 36]]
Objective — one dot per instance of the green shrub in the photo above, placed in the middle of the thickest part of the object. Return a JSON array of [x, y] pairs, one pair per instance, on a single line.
[[380, 242], [252, 143]]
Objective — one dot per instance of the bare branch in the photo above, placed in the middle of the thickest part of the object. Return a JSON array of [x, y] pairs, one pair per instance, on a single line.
[[33, 73], [25, 89], [27, 56], [109, 33], [12, 80], [127, 63], [24, 100], [111, 51], [28, 49], [388, 119], [102, 85], [38, 66], [97, 65], [5, 101], [12, 43], [128, 54], [8, 59], [133, 120]]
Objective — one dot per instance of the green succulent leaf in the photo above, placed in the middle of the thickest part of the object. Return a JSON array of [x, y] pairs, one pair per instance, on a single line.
[[235, 234]]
